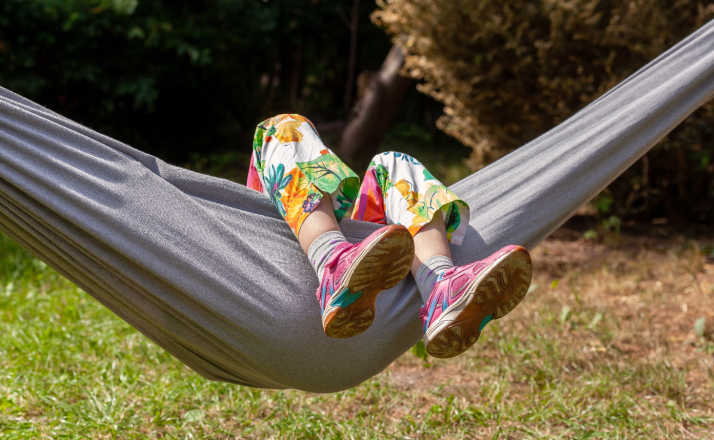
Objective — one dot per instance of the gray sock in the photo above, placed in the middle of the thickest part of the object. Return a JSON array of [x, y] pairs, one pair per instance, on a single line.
[[428, 273], [321, 248]]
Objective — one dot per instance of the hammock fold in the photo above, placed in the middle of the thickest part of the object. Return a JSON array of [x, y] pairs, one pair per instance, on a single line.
[[208, 270]]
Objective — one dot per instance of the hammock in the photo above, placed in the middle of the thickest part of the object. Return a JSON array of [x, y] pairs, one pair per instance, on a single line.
[[208, 270]]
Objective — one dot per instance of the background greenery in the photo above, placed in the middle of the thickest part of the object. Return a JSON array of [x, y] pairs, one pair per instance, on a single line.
[[188, 79], [508, 71], [177, 77]]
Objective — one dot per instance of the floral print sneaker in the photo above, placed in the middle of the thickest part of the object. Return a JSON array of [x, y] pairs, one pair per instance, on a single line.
[[465, 298], [356, 273]]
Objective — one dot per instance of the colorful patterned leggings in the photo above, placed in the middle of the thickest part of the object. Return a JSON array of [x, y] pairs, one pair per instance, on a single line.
[[292, 166]]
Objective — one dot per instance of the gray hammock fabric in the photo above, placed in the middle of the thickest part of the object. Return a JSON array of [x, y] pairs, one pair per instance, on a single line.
[[208, 270]]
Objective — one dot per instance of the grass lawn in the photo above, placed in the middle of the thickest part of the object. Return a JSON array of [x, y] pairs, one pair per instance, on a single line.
[[614, 341]]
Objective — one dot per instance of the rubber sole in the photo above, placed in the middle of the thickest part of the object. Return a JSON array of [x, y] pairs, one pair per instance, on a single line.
[[493, 294], [382, 264]]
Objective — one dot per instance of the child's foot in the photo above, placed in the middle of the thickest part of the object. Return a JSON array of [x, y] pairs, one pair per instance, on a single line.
[[465, 298], [356, 273]]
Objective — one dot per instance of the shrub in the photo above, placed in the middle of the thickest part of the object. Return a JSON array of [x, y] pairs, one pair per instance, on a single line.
[[508, 71]]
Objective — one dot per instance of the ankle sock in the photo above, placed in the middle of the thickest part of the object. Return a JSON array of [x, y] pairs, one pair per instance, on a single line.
[[321, 248], [429, 272]]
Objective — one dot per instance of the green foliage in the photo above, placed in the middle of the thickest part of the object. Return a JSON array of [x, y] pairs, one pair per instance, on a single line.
[[182, 76], [508, 71], [419, 350], [700, 326], [603, 203]]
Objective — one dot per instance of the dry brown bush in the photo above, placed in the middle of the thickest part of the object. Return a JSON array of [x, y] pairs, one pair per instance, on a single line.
[[508, 71]]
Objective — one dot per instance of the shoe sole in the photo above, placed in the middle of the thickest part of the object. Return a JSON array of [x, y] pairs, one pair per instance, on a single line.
[[380, 266], [493, 294]]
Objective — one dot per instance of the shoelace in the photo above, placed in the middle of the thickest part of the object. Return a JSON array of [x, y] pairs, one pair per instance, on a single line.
[[329, 271], [340, 249], [424, 311]]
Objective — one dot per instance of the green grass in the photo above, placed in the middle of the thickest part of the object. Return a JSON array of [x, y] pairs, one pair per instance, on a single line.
[[70, 369]]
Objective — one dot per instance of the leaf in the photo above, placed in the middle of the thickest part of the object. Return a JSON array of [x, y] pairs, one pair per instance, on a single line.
[[126, 7], [136, 32], [382, 176], [603, 204], [596, 319], [434, 198], [327, 172], [613, 223], [564, 313], [194, 415], [419, 350], [428, 175], [699, 326]]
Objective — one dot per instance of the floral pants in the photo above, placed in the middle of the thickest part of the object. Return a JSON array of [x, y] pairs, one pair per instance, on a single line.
[[292, 166]]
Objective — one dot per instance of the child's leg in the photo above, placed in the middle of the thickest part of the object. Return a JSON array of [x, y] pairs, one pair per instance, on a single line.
[[431, 241], [296, 170], [312, 189], [399, 189], [320, 221], [458, 301]]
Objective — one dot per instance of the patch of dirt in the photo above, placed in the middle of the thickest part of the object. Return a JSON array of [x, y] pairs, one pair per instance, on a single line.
[[649, 290], [655, 287]]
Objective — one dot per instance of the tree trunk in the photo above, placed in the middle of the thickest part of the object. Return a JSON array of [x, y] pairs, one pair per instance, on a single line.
[[375, 110]]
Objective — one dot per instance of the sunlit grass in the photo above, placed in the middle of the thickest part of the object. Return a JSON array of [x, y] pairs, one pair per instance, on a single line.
[[586, 356]]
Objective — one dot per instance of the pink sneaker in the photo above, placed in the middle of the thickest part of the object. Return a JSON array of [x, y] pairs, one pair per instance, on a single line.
[[356, 273], [466, 298]]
